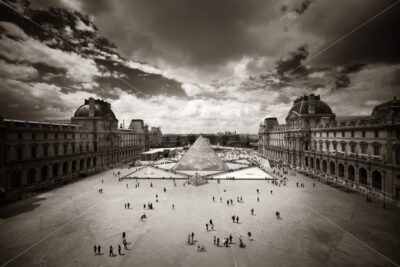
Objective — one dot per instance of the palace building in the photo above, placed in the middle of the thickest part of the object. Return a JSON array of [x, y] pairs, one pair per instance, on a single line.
[[362, 153], [37, 155]]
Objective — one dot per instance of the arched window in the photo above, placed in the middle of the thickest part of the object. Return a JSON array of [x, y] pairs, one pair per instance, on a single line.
[[363, 176], [15, 180], [332, 168], [74, 165], [312, 162], [377, 180], [94, 161], [65, 168], [31, 176], [306, 161], [351, 173], [324, 166], [56, 168], [88, 165], [44, 173], [317, 164], [81, 164], [397, 154], [341, 170]]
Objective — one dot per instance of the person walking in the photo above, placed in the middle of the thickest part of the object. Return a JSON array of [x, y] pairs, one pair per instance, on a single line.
[[237, 219], [207, 227], [95, 250], [173, 206], [99, 249], [233, 218], [111, 253], [230, 238], [252, 211], [119, 249], [215, 240]]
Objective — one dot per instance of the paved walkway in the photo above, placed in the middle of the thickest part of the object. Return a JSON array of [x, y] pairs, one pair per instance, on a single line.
[[320, 226]]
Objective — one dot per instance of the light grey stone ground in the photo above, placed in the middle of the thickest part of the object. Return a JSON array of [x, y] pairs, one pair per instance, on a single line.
[[320, 226]]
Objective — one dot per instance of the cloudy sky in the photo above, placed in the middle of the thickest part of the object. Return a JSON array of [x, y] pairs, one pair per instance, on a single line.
[[196, 66]]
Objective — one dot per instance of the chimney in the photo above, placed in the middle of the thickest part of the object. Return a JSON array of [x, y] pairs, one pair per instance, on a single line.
[[91, 107], [311, 104]]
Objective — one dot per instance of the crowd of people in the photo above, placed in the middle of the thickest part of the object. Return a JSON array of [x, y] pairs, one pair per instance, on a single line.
[[225, 240]]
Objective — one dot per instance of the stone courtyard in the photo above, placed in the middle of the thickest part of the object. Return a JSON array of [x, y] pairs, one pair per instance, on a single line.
[[319, 226]]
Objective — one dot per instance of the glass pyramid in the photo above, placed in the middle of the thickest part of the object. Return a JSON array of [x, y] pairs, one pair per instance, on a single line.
[[201, 157]]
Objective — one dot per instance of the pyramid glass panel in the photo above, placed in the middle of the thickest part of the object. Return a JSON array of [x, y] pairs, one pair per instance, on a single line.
[[201, 157]]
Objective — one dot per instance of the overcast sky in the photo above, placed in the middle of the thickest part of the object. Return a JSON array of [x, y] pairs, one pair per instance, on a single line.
[[194, 66]]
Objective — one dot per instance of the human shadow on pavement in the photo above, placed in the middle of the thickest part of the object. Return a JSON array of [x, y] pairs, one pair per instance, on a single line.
[[20, 207]]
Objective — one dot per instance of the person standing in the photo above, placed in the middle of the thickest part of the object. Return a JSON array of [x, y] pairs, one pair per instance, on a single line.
[[95, 250], [99, 249]]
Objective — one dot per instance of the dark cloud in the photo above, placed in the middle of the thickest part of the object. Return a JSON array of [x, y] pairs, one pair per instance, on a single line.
[[292, 63], [303, 6], [375, 42]]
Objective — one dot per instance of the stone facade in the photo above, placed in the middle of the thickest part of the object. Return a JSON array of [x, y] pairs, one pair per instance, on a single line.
[[39, 155], [155, 137], [362, 153]]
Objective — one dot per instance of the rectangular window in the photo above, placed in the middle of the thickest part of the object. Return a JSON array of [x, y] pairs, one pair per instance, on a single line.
[[343, 134], [45, 151], [352, 133], [364, 148], [377, 149], [19, 153], [353, 148], [334, 134], [20, 136], [376, 134], [363, 133], [33, 136], [33, 152], [334, 146], [343, 147]]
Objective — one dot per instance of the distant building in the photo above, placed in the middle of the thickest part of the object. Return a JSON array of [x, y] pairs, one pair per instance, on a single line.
[[38, 155], [155, 136], [360, 153]]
